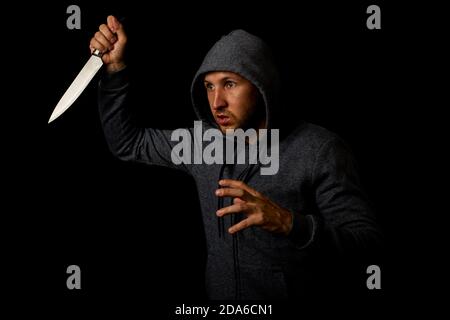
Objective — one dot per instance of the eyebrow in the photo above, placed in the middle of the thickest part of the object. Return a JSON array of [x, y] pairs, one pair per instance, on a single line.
[[224, 79]]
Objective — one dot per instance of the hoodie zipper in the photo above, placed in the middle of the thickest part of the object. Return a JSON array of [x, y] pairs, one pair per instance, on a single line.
[[243, 176]]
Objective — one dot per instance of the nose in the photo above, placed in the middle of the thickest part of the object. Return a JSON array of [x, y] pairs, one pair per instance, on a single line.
[[218, 100]]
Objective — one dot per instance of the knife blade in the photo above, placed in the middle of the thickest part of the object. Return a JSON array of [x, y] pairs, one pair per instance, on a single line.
[[78, 85]]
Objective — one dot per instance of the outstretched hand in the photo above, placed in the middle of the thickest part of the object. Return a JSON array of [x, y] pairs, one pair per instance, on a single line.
[[260, 211]]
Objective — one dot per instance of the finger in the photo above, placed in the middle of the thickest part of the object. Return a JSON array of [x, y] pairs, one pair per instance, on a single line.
[[237, 200], [95, 44], [115, 26], [239, 185], [112, 23], [102, 39], [242, 225], [231, 192], [235, 208], [108, 33]]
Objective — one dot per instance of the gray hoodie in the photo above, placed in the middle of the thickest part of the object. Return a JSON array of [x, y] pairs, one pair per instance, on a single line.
[[316, 178]]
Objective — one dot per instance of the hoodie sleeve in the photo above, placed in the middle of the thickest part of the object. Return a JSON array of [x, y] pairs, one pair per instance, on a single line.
[[344, 223], [125, 140]]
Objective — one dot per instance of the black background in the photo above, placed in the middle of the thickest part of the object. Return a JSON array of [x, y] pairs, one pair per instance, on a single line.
[[136, 231]]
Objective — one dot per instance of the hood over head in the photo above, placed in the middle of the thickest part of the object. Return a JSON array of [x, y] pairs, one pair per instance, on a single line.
[[247, 55]]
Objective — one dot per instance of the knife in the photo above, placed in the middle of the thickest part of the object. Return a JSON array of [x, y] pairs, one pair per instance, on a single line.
[[79, 84]]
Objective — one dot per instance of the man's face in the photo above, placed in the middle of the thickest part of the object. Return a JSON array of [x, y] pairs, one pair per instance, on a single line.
[[233, 101]]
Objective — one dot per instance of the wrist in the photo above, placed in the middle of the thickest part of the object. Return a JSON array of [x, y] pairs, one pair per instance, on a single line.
[[115, 67], [288, 222]]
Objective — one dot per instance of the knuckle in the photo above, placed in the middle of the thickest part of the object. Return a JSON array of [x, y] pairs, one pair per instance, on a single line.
[[242, 206], [260, 219]]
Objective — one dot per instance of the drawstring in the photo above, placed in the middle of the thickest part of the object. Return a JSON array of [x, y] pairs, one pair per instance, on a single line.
[[220, 225], [242, 176]]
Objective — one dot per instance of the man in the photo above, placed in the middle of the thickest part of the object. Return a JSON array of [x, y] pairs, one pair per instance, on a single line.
[[268, 236]]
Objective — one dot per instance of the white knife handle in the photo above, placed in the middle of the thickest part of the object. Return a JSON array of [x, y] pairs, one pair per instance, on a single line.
[[97, 53]]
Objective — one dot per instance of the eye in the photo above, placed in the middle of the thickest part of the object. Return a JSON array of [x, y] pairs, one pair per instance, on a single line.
[[230, 84], [209, 86]]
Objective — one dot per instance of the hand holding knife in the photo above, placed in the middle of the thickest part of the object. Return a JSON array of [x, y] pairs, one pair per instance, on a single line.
[[107, 47]]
